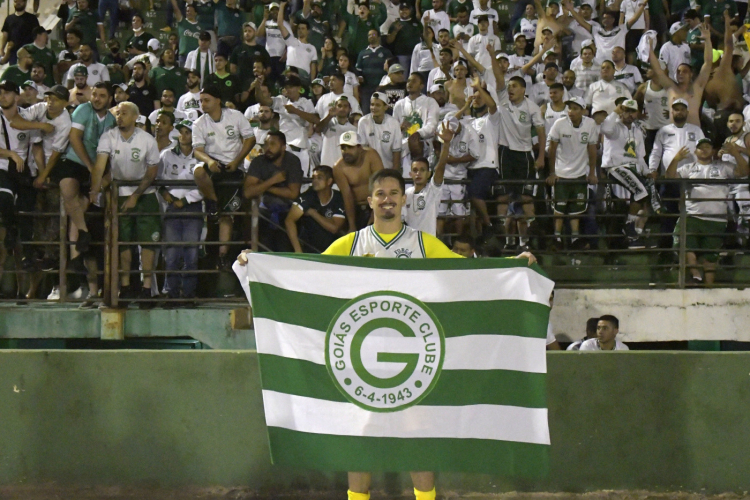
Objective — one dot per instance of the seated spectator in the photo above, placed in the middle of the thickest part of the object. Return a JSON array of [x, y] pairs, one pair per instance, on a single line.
[[465, 245], [591, 325], [551, 341], [601, 95], [137, 44], [607, 329], [319, 212]]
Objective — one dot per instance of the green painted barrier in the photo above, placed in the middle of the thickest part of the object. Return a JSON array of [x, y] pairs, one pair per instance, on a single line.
[[660, 421]]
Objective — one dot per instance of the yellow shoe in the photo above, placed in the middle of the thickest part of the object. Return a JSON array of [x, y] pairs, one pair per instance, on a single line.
[[166, 29]]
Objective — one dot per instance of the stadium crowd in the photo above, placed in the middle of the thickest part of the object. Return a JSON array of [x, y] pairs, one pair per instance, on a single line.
[[297, 104]]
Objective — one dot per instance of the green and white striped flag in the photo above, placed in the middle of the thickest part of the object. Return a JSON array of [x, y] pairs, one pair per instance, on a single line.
[[402, 364]]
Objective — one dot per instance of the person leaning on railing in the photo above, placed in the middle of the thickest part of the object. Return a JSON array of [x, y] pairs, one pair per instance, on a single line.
[[706, 219]]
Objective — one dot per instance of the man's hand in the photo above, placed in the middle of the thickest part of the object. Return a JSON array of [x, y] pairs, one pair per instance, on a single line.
[[527, 255], [129, 203], [47, 128], [41, 182], [232, 165], [405, 126], [214, 166], [653, 175], [552, 179], [291, 109], [177, 203], [397, 26], [682, 154], [705, 31], [476, 83], [18, 161], [593, 179], [278, 177], [539, 165], [242, 257], [446, 135]]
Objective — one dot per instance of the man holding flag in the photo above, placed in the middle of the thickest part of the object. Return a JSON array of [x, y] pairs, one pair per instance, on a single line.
[[389, 237]]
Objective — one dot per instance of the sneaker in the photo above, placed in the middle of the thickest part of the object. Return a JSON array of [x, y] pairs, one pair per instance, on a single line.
[[49, 264], [126, 294], [630, 231], [212, 208], [635, 243], [224, 263], [84, 239], [76, 266], [92, 300], [696, 280], [77, 295], [148, 300], [54, 294]]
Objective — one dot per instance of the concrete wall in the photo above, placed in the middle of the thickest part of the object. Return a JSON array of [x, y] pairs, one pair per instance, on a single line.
[[653, 420], [656, 315]]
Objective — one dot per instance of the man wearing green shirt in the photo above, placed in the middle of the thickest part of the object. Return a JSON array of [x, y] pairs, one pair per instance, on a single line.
[[312, 12], [188, 29], [229, 25], [87, 21], [405, 33], [360, 25], [371, 64], [206, 11], [715, 10], [167, 75], [20, 72], [42, 54], [138, 43]]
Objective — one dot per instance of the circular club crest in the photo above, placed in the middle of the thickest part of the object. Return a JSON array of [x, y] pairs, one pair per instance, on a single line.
[[385, 351]]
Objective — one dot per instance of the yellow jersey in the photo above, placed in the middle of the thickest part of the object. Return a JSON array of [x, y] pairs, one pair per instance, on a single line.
[[406, 243]]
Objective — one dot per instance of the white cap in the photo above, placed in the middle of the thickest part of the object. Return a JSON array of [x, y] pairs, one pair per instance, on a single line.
[[154, 44], [141, 120], [676, 27], [436, 88], [680, 101], [630, 104], [576, 100], [349, 138], [587, 43], [380, 96]]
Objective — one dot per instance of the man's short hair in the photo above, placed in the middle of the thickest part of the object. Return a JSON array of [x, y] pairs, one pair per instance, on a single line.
[[139, 16], [278, 134], [447, 50], [168, 114], [686, 65], [339, 76], [611, 319], [557, 86], [37, 64], [418, 75], [303, 22], [692, 14], [611, 13], [105, 86], [462, 10], [422, 159], [520, 81], [139, 63], [76, 32], [591, 326], [386, 173], [443, 29], [467, 239], [325, 169]]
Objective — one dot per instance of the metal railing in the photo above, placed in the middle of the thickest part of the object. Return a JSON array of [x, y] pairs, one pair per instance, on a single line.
[[603, 261]]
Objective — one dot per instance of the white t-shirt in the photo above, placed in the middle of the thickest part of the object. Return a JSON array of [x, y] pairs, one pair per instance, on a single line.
[[421, 209], [478, 48], [384, 138], [601, 95], [487, 128], [516, 122], [629, 8], [438, 21], [97, 73], [57, 141], [331, 151], [674, 55], [593, 345], [623, 145], [424, 108], [275, 45], [300, 55], [189, 101], [607, 40], [697, 202], [178, 115], [222, 140], [572, 155], [656, 107], [468, 30], [294, 126], [630, 76], [202, 61], [466, 141], [174, 165], [528, 28], [491, 14], [326, 102], [669, 140], [540, 93], [129, 159]]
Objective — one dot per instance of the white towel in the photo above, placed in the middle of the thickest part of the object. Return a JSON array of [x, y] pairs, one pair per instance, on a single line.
[[644, 43]]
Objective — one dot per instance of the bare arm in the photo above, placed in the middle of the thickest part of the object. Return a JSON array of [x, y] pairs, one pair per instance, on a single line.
[[97, 172], [542, 135], [438, 175], [708, 57], [247, 145], [637, 14], [469, 57], [176, 10], [332, 225], [672, 169], [346, 192], [322, 124], [76, 141], [577, 16], [264, 100], [488, 100], [295, 213], [262, 28], [592, 163], [552, 156], [659, 75], [290, 192], [147, 180], [49, 166], [201, 155]]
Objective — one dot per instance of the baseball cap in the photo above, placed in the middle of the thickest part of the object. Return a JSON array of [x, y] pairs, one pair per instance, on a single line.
[[676, 27], [184, 123], [547, 28], [272, 5], [59, 91], [436, 88], [292, 81], [381, 96], [630, 104], [395, 68], [502, 55], [123, 87], [141, 120], [705, 140], [8, 86], [680, 101], [342, 97], [154, 44], [549, 53], [81, 70], [251, 24], [349, 138], [587, 43], [212, 90], [317, 81], [28, 83], [404, 5], [515, 37], [551, 65], [576, 100]]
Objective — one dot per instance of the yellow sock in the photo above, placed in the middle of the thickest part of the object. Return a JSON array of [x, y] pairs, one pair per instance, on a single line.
[[360, 496], [424, 495]]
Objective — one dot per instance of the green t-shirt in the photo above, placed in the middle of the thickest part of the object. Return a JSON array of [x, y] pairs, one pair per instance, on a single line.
[[371, 64], [15, 75], [86, 21], [455, 4], [358, 30], [140, 42], [716, 9], [330, 66], [696, 56], [243, 56], [46, 57], [228, 85], [425, 5], [85, 118], [408, 37], [205, 14], [188, 33], [174, 78], [229, 21]]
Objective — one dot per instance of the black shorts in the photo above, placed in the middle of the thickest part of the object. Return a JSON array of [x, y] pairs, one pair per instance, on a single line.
[[68, 169], [480, 187], [516, 166], [362, 215], [7, 200], [229, 197]]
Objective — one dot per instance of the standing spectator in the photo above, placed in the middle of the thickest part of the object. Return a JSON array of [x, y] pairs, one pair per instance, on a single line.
[[464, 150], [229, 21], [227, 83], [591, 325], [463, 30], [202, 58], [275, 177], [361, 25], [142, 93], [206, 10], [133, 156], [370, 63], [82, 91], [328, 100], [137, 44], [572, 156], [381, 132], [607, 329], [17, 31], [178, 164], [441, 73], [676, 51], [477, 46], [299, 53], [627, 74], [42, 54], [714, 11], [608, 35], [404, 33], [540, 92], [318, 27], [113, 6], [418, 116], [569, 85], [585, 68], [221, 139], [22, 71], [601, 95], [483, 8], [335, 123], [518, 60], [95, 72], [244, 55], [320, 213], [188, 29], [168, 76], [88, 22], [653, 99], [69, 55], [190, 102], [163, 128], [437, 18], [351, 83], [695, 39], [275, 45], [395, 89], [629, 9], [425, 54]]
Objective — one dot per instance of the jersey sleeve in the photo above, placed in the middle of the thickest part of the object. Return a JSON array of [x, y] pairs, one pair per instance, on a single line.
[[342, 246], [199, 136], [62, 134], [80, 117], [246, 130], [105, 145], [436, 249], [152, 155], [554, 132]]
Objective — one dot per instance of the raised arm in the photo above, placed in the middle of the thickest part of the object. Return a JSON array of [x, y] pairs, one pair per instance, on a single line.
[[280, 22], [439, 174], [469, 57], [176, 10], [486, 96], [659, 75], [262, 28], [708, 57], [638, 12], [672, 169], [577, 16]]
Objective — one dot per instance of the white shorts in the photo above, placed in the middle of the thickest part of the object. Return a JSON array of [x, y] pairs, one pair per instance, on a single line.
[[452, 200]]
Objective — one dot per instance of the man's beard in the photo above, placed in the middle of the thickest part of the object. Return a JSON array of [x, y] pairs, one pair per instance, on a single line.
[[138, 78], [81, 86], [272, 156]]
